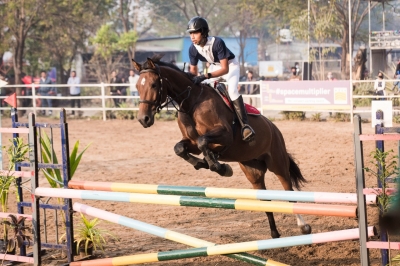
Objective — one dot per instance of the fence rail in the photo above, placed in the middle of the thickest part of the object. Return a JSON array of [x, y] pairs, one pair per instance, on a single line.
[[101, 101]]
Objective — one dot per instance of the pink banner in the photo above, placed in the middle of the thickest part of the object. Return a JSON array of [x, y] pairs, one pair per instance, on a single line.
[[306, 95]]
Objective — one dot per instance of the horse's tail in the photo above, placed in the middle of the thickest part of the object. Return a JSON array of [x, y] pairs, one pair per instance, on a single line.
[[295, 173]]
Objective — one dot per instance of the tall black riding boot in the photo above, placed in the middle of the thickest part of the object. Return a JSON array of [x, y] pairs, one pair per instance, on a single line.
[[247, 132]]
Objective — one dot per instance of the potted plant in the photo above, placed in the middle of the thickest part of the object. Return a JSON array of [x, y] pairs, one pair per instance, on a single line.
[[16, 153], [89, 237], [18, 228]]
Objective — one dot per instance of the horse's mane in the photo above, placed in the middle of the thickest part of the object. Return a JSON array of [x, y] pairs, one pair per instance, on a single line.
[[157, 59]]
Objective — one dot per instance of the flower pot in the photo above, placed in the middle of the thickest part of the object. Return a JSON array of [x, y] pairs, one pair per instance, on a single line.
[[3, 248], [86, 252]]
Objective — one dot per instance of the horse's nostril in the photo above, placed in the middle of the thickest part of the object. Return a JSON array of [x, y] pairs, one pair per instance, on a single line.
[[146, 119]]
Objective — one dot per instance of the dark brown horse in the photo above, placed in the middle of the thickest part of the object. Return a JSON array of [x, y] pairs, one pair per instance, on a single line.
[[209, 127]]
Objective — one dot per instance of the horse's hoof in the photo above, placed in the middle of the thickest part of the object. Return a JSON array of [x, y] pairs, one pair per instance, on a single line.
[[305, 229], [201, 165], [275, 234], [228, 170], [216, 168]]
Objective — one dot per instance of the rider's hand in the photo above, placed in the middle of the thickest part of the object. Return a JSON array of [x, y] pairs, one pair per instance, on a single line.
[[198, 79]]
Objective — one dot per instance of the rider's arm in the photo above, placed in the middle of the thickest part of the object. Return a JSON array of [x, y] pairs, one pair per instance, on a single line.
[[223, 70], [194, 70]]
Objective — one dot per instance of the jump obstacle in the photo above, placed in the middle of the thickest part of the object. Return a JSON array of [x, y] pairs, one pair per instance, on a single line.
[[248, 201], [362, 192]]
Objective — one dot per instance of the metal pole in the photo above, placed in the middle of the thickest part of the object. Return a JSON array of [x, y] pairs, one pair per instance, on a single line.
[[369, 36], [350, 66], [308, 43]]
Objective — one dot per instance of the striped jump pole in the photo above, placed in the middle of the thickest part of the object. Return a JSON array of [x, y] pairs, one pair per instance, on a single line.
[[238, 204], [229, 193], [167, 234], [229, 248]]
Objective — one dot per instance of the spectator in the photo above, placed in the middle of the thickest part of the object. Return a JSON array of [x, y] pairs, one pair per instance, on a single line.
[[330, 76], [249, 88], [115, 90], [46, 91], [74, 90], [123, 90], [133, 78], [379, 86], [295, 76], [396, 83]]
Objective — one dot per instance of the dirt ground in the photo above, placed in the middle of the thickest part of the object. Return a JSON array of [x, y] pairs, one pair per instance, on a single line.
[[123, 151]]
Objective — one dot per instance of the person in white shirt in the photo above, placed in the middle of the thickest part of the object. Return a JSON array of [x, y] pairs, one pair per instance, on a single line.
[[74, 90], [133, 78], [379, 86]]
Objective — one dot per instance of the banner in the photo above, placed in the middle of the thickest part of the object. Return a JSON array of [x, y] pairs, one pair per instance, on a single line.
[[306, 95]]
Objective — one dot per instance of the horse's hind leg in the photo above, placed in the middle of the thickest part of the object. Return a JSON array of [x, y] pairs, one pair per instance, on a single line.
[[182, 149], [287, 185], [255, 172]]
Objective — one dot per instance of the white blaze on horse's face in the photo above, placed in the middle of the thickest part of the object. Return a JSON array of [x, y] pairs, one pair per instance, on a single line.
[[143, 81]]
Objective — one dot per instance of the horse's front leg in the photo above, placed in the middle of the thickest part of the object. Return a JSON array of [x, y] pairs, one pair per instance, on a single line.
[[183, 149], [217, 136]]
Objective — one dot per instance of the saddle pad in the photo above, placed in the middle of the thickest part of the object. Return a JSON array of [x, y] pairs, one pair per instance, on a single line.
[[251, 110]]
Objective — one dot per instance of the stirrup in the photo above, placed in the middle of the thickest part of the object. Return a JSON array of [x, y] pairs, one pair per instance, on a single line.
[[250, 136]]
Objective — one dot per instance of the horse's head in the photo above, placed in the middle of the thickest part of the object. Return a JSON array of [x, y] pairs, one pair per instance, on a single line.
[[151, 91]]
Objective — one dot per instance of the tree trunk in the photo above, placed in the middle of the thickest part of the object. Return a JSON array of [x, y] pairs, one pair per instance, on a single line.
[[345, 74]]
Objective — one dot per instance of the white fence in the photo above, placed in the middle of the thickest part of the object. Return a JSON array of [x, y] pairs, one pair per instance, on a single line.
[[101, 101]]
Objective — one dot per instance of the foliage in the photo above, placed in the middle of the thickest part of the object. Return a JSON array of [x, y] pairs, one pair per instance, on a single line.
[[18, 228], [365, 88], [16, 153], [90, 235], [387, 165], [316, 117], [124, 114], [54, 176], [293, 115], [341, 117]]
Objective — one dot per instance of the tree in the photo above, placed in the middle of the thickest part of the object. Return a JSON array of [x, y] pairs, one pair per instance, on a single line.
[[321, 27], [18, 19], [359, 9]]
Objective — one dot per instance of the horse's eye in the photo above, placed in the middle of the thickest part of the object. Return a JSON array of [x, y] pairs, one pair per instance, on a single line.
[[154, 85]]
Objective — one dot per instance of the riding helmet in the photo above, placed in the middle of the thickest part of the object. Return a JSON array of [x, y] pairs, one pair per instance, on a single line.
[[197, 24]]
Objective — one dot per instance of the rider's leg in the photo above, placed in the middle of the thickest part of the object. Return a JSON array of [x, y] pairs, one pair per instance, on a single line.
[[233, 78], [247, 131]]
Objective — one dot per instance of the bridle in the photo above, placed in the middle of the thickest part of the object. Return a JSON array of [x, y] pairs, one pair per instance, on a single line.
[[157, 103]]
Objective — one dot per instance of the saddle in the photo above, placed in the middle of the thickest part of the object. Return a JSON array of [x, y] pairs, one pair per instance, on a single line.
[[223, 93]]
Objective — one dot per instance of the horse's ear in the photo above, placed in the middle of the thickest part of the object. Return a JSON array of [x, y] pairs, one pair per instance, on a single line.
[[136, 65], [150, 63]]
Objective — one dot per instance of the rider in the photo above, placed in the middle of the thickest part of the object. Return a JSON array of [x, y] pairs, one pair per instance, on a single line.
[[214, 51]]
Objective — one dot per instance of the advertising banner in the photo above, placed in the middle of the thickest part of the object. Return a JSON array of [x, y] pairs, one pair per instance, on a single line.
[[306, 95]]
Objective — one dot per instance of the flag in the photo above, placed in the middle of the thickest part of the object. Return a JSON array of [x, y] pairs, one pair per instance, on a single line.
[[12, 100], [3, 83]]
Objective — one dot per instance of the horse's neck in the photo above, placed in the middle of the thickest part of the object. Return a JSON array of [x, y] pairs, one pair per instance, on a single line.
[[182, 90]]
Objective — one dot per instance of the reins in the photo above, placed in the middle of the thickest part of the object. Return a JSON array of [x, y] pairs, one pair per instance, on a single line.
[[172, 100]]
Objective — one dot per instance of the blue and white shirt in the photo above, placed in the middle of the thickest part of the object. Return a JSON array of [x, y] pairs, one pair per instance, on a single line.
[[213, 51]]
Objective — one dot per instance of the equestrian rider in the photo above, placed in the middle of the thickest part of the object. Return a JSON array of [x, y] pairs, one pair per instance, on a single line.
[[214, 51]]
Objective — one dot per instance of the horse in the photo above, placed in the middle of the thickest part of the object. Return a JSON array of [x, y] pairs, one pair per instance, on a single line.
[[209, 127]]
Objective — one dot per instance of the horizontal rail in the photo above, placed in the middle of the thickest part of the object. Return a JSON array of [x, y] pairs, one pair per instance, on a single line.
[[227, 193], [17, 258], [380, 137], [383, 245], [25, 174], [238, 204], [14, 130], [6, 215], [333, 236]]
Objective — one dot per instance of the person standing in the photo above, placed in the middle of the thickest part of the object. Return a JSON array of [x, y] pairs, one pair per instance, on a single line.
[[295, 76], [74, 90], [213, 50], [379, 86], [46, 91], [115, 90], [330, 76], [133, 78]]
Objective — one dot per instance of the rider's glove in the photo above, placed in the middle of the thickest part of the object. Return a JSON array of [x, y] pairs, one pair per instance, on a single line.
[[198, 79]]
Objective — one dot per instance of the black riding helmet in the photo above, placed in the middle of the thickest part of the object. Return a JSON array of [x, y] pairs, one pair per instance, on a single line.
[[198, 24]]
